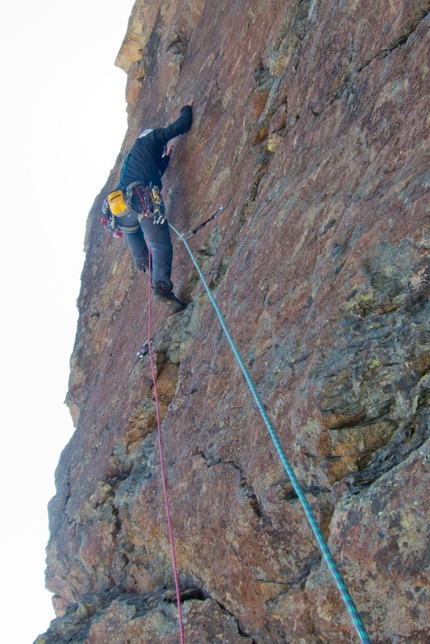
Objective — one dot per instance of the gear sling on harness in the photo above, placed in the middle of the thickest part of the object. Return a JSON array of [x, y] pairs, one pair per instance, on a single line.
[[151, 200], [119, 205]]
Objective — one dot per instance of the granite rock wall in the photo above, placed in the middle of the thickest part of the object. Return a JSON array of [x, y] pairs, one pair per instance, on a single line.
[[311, 127]]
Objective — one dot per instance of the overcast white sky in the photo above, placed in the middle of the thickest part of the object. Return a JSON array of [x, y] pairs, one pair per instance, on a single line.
[[62, 122]]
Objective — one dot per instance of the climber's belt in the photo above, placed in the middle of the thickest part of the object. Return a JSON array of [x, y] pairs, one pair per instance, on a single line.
[[151, 201]]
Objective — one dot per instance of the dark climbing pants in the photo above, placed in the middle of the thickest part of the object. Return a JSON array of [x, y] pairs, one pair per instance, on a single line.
[[158, 238]]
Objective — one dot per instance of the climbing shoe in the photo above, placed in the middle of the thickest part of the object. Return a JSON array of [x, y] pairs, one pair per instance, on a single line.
[[163, 294]]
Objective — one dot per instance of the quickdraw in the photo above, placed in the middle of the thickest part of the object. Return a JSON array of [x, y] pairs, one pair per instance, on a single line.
[[144, 349], [151, 200]]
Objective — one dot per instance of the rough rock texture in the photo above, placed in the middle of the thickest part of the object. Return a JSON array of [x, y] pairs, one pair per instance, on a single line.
[[312, 124]]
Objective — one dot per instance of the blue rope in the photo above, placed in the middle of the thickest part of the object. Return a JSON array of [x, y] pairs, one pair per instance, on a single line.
[[349, 603]]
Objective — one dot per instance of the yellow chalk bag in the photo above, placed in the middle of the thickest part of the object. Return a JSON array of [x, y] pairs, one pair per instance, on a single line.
[[117, 204]]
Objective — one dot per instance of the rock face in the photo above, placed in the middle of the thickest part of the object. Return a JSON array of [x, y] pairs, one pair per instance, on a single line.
[[311, 123]]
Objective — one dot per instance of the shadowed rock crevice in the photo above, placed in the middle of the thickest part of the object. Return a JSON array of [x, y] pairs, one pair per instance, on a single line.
[[404, 442], [244, 486], [86, 619], [244, 637], [406, 31]]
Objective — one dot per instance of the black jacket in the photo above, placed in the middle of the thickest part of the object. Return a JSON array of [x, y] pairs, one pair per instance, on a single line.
[[145, 161]]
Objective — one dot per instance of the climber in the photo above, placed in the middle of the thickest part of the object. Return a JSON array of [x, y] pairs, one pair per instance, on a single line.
[[140, 184]]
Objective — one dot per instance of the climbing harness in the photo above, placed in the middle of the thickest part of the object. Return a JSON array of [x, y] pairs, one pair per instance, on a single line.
[[118, 205], [336, 574], [146, 349], [151, 200]]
